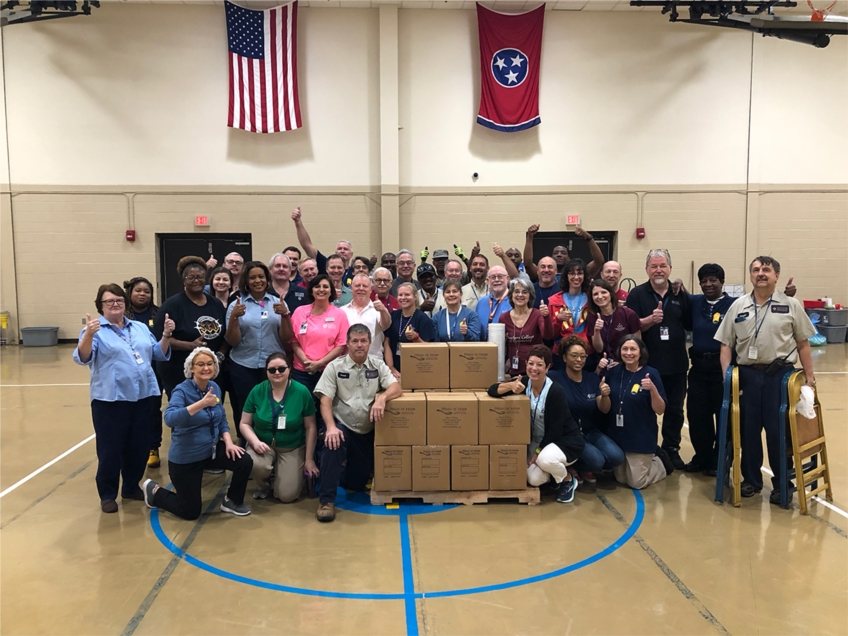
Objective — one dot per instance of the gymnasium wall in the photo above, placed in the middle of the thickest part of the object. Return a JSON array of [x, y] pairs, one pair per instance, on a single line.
[[118, 121]]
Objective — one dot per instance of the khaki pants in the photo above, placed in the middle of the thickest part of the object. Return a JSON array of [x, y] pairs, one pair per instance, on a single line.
[[639, 470], [288, 462], [551, 462]]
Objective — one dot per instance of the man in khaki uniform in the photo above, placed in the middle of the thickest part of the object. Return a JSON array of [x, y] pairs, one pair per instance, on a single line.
[[769, 332], [351, 403]]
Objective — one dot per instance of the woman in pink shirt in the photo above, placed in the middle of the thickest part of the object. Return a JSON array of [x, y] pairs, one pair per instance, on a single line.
[[320, 332]]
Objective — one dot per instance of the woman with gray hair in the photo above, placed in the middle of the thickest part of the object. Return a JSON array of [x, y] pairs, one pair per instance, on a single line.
[[200, 440], [525, 327]]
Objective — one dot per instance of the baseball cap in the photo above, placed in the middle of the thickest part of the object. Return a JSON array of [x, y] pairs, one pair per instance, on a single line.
[[424, 269], [441, 254]]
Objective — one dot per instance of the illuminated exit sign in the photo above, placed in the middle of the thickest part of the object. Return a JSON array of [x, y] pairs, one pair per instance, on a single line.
[[571, 219], [203, 221]]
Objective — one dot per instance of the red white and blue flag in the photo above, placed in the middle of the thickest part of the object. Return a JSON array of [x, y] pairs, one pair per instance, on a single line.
[[263, 68], [510, 55]]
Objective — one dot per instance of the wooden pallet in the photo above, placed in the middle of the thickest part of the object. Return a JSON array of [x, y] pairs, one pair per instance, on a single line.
[[467, 497]]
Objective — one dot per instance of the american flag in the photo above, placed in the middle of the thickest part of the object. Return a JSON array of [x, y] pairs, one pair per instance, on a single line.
[[263, 68]]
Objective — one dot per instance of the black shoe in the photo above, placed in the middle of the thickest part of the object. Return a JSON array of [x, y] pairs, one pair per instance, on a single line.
[[749, 490], [138, 495], [665, 458], [674, 454], [774, 497], [695, 466], [711, 472]]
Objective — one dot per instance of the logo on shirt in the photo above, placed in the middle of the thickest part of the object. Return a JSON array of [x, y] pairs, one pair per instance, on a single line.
[[208, 327], [620, 327]]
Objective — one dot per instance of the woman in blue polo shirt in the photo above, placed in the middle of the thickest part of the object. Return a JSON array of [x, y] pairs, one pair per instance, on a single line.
[[278, 424], [119, 352], [455, 323], [637, 396], [589, 402]]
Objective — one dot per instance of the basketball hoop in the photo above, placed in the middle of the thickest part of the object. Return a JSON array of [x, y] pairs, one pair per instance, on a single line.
[[819, 14]]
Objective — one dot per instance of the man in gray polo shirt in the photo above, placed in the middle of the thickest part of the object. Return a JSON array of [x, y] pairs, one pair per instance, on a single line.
[[351, 404]]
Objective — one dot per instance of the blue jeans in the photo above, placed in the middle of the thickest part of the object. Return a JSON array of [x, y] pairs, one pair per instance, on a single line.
[[599, 453]]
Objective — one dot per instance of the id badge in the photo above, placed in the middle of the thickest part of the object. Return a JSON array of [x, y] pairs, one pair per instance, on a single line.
[[397, 351], [514, 362], [752, 352], [264, 315], [138, 358], [303, 327], [664, 333], [619, 420], [281, 422]]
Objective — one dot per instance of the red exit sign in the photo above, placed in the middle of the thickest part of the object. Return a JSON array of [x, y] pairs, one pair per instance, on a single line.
[[201, 221], [572, 219]]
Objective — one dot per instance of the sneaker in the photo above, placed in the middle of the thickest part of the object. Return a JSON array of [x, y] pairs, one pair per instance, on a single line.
[[213, 471], [153, 461], [147, 488], [774, 497], [326, 512], [575, 475], [109, 505], [566, 491], [749, 490], [589, 477], [666, 460], [240, 510], [260, 493], [676, 461]]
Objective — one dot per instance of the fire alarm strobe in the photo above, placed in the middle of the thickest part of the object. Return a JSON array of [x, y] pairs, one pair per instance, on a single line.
[[131, 235], [640, 232]]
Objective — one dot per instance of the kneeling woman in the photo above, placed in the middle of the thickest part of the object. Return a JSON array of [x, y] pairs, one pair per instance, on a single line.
[[278, 423], [200, 440], [637, 396], [556, 440]]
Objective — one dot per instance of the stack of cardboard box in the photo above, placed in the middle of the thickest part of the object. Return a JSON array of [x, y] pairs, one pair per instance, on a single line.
[[445, 432]]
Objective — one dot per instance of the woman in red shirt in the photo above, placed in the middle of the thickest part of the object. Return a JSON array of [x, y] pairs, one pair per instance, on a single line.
[[525, 326], [569, 309]]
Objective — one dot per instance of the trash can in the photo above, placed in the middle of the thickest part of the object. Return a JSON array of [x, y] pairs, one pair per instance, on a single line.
[[40, 336]]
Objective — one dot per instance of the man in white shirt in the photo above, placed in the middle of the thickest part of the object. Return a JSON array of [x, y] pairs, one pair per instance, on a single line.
[[363, 311]]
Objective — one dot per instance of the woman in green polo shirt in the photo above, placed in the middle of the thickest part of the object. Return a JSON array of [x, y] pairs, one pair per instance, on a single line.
[[278, 423]]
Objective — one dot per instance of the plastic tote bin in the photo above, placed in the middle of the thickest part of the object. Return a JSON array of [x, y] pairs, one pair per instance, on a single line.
[[833, 317], [40, 336], [834, 335]]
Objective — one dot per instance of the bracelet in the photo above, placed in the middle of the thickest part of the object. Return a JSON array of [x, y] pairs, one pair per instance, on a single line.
[[538, 450]]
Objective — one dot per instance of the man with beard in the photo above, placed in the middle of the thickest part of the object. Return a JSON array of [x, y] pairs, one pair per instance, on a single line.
[[405, 270], [611, 272], [492, 305]]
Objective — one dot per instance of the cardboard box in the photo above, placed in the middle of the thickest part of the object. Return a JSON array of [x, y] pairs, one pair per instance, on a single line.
[[425, 365], [404, 422], [469, 467], [431, 468], [392, 468], [504, 420], [429, 390], [507, 467], [451, 419], [474, 365], [464, 390]]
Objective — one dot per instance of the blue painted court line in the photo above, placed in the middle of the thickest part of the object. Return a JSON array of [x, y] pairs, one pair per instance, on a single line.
[[408, 578]]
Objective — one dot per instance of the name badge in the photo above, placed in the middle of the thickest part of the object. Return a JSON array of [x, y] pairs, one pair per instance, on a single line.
[[619, 420], [716, 318], [752, 353], [780, 309], [281, 422], [371, 374], [150, 323], [344, 375], [138, 359], [741, 317], [330, 319], [303, 327], [264, 315], [664, 333], [635, 388], [514, 362]]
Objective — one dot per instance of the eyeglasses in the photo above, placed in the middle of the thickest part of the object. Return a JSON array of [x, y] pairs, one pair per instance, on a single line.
[[230, 261], [275, 370], [194, 279], [204, 365], [577, 356], [497, 276], [113, 302], [382, 281]]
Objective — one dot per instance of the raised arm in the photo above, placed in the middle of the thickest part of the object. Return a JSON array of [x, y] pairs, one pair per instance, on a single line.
[[529, 265], [302, 235], [509, 266], [597, 256]]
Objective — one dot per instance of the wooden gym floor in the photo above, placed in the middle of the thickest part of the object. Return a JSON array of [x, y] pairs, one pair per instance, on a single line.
[[664, 561]]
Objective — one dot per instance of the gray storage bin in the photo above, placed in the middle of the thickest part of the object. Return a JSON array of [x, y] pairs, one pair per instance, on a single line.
[[40, 336], [834, 335], [833, 317]]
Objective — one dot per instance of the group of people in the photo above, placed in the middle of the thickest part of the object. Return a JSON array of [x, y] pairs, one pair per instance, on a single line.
[[307, 348]]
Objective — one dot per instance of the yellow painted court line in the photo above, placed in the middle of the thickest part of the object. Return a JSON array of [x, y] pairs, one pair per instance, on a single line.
[[46, 466]]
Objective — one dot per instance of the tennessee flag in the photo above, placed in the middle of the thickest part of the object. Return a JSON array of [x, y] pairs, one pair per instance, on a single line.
[[510, 55]]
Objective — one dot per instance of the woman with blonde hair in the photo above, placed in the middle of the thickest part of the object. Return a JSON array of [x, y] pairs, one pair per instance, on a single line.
[[409, 324]]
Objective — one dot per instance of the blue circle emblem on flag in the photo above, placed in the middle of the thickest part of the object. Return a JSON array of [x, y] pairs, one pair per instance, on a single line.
[[509, 67]]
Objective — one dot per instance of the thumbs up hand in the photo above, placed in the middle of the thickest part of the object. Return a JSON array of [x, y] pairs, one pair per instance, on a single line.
[[603, 387], [428, 303], [657, 314], [543, 309], [169, 327], [91, 326], [790, 288], [564, 315], [211, 262], [603, 363], [646, 383], [238, 309], [210, 399], [599, 324]]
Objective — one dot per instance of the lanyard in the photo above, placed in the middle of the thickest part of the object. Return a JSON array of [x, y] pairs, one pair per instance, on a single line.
[[474, 290], [493, 311], [450, 328], [120, 333], [402, 327], [277, 408], [578, 306], [765, 315], [662, 299], [535, 402], [621, 388], [605, 334]]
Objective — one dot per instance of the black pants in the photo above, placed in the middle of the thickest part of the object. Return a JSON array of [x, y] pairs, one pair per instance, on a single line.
[[186, 502], [310, 381], [703, 409], [350, 465], [156, 415], [672, 422], [123, 444], [242, 380], [760, 403]]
